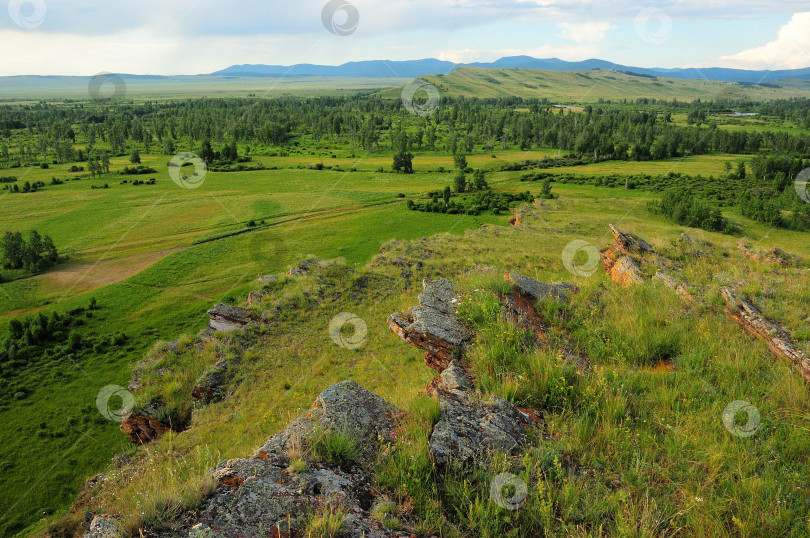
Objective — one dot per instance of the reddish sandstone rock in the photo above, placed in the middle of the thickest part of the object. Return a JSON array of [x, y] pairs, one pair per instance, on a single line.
[[626, 272], [142, 428]]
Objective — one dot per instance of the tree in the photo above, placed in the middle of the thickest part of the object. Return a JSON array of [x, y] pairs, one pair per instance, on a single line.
[[206, 152], [460, 182], [479, 181], [135, 157], [13, 250], [460, 160], [446, 195], [403, 162], [741, 170]]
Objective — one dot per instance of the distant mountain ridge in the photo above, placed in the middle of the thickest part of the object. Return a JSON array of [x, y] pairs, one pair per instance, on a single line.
[[432, 66]]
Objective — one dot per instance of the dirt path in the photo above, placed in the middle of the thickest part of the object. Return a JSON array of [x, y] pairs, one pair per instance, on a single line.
[[105, 272]]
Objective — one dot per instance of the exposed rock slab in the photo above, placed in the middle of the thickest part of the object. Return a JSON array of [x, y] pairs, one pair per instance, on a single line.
[[103, 526], [626, 272], [433, 325], [261, 495], [630, 244], [226, 318], [470, 429], [742, 310], [535, 291]]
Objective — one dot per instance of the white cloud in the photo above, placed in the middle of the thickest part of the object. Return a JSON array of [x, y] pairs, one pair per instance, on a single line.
[[585, 32], [790, 50]]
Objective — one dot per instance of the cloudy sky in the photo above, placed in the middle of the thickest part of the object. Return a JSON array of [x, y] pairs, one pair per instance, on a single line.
[[84, 37]]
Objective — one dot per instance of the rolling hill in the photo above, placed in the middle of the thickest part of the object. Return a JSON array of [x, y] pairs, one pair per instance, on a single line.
[[593, 85]]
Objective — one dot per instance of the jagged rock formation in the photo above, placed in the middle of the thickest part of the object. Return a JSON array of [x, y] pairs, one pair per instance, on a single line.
[[469, 428], [226, 318], [433, 325], [534, 291], [742, 310], [305, 267], [143, 426], [619, 258], [626, 272], [211, 386], [103, 526], [261, 495], [775, 255]]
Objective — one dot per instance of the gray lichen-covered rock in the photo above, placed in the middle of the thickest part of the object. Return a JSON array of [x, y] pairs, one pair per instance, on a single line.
[[433, 325], [226, 318], [535, 291], [305, 267], [261, 495], [346, 407], [103, 526], [470, 429], [212, 385]]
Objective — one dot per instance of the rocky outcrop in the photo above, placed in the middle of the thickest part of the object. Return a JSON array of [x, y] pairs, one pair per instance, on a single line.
[[212, 385], [261, 495], [626, 272], [621, 259], [742, 310], [306, 267], [534, 291], [433, 325], [774, 255], [143, 426], [470, 429], [630, 244], [103, 526], [226, 318]]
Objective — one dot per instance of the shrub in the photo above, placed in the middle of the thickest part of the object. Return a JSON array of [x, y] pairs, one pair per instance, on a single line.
[[334, 447]]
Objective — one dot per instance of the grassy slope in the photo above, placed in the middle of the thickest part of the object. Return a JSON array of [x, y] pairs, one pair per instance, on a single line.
[[590, 86], [633, 450]]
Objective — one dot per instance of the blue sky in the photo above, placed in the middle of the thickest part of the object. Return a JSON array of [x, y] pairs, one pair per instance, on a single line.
[[84, 37]]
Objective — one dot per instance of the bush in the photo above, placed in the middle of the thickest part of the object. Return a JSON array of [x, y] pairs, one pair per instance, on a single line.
[[686, 210]]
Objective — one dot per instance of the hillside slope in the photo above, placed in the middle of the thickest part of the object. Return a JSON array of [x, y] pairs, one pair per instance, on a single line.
[[591, 86], [637, 442]]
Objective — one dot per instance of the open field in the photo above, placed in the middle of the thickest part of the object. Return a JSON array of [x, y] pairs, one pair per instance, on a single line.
[[29, 89]]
